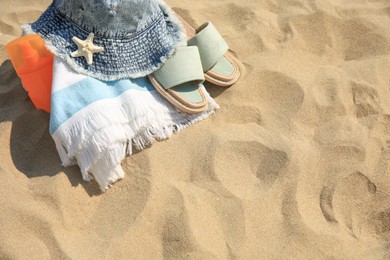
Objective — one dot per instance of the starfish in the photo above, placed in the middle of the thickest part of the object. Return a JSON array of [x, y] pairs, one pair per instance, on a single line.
[[86, 48]]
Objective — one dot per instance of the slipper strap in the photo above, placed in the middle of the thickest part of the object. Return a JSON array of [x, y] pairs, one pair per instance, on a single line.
[[184, 66], [211, 45]]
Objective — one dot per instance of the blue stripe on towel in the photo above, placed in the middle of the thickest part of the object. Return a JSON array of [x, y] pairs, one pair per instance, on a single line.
[[68, 101]]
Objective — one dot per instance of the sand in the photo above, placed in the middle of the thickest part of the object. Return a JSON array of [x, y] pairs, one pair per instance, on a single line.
[[295, 165]]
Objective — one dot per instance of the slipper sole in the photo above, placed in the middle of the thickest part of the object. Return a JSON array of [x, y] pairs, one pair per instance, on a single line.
[[177, 101]]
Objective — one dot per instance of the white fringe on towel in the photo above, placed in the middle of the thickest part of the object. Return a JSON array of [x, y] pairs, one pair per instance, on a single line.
[[99, 136]]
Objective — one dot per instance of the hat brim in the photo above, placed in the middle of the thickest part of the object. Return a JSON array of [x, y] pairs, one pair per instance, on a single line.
[[134, 56]]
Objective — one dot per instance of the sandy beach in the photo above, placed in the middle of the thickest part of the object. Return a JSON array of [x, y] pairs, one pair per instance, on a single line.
[[295, 164]]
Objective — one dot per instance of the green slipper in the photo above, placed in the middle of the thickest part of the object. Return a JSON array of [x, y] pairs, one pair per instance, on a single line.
[[179, 78], [218, 65]]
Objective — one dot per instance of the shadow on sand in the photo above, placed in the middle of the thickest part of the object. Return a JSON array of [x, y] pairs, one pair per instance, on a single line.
[[32, 148]]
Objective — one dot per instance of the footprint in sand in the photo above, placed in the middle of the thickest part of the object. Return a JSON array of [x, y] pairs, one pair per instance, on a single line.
[[350, 167], [379, 149], [353, 39], [327, 95], [133, 192], [65, 217], [9, 24], [342, 138], [278, 97], [331, 206], [365, 99], [354, 198], [260, 155], [246, 16], [240, 27], [178, 240], [313, 30], [338, 149], [377, 224], [186, 15], [362, 39], [196, 225], [362, 207], [278, 91], [259, 166], [39, 228]]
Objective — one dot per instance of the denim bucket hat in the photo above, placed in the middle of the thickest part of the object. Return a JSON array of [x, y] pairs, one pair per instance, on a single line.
[[110, 39]]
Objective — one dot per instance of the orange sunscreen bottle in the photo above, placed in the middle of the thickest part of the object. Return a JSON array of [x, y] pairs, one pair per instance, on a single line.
[[34, 65]]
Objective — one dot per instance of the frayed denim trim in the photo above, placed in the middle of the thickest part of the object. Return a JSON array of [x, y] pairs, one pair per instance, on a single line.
[[124, 57]]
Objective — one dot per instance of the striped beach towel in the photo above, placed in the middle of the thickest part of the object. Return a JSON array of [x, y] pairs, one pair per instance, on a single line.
[[96, 123]]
